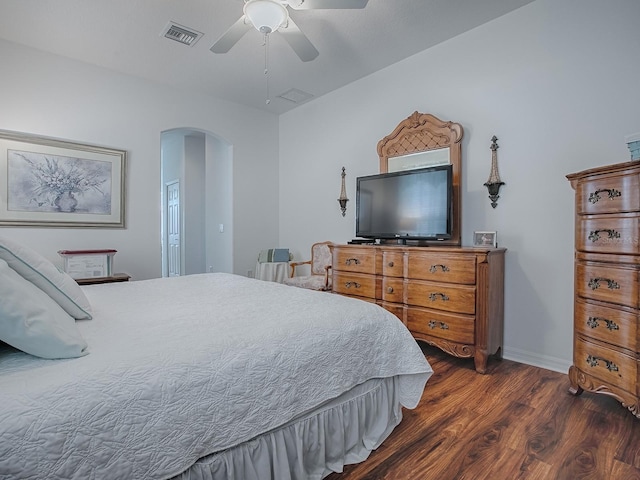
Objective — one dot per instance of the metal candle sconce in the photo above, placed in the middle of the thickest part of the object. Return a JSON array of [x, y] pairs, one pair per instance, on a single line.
[[343, 196], [494, 183]]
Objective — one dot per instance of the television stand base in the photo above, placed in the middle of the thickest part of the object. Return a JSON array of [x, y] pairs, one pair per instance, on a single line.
[[409, 242], [362, 241]]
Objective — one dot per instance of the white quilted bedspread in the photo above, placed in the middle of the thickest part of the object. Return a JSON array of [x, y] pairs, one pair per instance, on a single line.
[[183, 367]]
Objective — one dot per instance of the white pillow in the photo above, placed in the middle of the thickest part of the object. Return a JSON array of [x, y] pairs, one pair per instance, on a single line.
[[31, 321], [44, 275]]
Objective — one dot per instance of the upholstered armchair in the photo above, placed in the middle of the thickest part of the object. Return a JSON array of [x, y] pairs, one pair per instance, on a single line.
[[320, 266]]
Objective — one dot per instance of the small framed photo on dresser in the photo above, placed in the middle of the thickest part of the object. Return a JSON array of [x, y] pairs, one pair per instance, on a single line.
[[485, 239]]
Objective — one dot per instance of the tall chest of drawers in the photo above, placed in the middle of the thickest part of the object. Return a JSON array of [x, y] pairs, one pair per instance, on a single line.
[[606, 295], [449, 297]]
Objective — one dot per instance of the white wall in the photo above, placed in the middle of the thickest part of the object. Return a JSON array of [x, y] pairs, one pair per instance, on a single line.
[[556, 81], [219, 209], [194, 220], [53, 96]]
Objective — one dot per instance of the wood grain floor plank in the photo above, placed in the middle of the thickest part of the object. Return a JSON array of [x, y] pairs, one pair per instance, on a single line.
[[625, 471], [511, 467], [515, 422]]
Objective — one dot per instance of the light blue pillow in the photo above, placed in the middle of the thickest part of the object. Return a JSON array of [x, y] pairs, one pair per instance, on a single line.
[[44, 275], [33, 322]]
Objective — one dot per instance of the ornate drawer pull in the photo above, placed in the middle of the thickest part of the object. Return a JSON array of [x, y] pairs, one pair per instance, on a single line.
[[390, 290], [595, 235], [593, 323], [355, 261], [611, 193], [433, 324], [350, 284], [434, 296], [594, 283], [592, 361], [435, 267], [390, 264]]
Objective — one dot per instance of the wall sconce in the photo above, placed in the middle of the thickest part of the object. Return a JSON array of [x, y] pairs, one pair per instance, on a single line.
[[343, 196], [494, 183]]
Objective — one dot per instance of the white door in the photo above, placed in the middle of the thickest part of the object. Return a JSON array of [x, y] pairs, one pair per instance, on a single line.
[[173, 229]]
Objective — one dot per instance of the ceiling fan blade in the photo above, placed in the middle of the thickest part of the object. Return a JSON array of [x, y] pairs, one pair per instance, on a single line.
[[231, 36], [298, 41], [322, 4]]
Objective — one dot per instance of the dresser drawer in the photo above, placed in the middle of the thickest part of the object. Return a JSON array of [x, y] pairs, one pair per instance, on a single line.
[[442, 267], [392, 264], [609, 325], [359, 260], [607, 283], [354, 284], [396, 309], [456, 328], [608, 234], [609, 365], [612, 193], [440, 296], [393, 289]]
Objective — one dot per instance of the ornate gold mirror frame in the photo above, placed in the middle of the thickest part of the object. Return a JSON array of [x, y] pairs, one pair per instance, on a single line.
[[422, 132]]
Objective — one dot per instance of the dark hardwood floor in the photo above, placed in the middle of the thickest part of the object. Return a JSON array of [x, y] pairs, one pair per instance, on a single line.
[[515, 422]]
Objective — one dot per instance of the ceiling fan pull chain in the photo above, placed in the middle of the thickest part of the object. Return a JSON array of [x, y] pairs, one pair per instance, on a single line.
[[266, 65]]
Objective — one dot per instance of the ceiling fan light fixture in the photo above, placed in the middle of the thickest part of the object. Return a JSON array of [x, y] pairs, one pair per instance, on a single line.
[[266, 15]]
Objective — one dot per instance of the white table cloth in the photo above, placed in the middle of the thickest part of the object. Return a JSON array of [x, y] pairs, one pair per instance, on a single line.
[[272, 271]]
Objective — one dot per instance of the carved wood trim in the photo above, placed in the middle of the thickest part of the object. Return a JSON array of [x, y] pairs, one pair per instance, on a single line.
[[418, 133], [580, 381], [422, 132], [456, 349]]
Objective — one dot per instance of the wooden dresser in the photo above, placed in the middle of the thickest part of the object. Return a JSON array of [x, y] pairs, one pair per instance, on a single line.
[[606, 298], [450, 297]]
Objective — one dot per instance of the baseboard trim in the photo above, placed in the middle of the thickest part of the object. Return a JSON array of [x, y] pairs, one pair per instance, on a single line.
[[543, 361]]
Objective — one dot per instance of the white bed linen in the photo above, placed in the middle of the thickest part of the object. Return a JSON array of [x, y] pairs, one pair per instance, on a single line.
[[343, 431], [180, 368]]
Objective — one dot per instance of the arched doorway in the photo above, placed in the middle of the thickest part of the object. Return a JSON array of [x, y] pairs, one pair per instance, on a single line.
[[196, 176]]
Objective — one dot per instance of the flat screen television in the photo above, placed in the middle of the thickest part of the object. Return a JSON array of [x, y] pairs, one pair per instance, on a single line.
[[406, 205]]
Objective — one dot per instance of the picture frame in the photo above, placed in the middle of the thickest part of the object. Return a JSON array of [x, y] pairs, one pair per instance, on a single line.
[[48, 182], [485, 239]]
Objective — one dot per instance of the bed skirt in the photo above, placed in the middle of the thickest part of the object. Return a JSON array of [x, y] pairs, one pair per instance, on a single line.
[[342, 431]]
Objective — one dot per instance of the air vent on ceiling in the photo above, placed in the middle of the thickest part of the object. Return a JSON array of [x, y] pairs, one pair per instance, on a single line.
[[296, 96], [184, 35]]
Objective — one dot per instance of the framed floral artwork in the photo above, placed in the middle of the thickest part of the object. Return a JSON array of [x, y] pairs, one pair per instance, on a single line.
[[48, 182]]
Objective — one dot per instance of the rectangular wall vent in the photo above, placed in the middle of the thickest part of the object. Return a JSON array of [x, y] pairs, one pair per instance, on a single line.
[[181, 34]]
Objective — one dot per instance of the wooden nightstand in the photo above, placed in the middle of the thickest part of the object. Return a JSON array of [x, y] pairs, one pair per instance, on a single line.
[[116, 277]]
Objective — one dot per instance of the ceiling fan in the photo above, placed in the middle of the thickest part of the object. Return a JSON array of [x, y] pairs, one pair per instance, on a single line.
[[268, 16]]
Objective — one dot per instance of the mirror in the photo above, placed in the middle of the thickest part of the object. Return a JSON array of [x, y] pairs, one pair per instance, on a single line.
[[430, 158], [423, 140]]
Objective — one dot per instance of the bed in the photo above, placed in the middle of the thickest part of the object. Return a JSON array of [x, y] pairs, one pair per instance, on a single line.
[[210, 376]]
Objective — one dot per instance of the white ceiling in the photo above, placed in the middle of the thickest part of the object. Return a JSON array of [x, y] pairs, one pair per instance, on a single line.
[[125, 36]]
